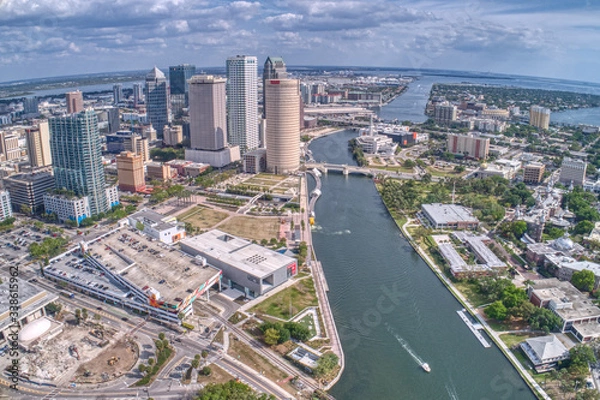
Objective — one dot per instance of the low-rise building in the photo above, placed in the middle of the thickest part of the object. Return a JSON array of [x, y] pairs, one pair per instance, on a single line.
[[32, 300], [577, 313], [448, 216], [251, 269], [159, 171], [157, 226], [67, 207], [544, 352], [533, 172], [194, 169], [255, 161]]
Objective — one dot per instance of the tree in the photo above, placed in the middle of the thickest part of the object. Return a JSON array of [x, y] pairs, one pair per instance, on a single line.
[[142, 368], [409, 164], [544, 319], [84, 314], [271, 336], [206, 371], [231, 390], [151, 361], [78, 316], [195, 363], [584, 280], [583, 228], [158, 344], [325, 364], [25, 209], [161, 336], [204, 353], [518, 228], [497, 311]]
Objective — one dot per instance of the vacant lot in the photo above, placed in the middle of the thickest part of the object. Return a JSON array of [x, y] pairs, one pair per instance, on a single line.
[[202, 217], [295, 298], [122, 354], [252, 228], [217, 375]]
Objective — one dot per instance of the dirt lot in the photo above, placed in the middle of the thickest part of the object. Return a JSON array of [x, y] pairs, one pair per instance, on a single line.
[[126, 354], [252, 228], [217, 375], [202, 217]]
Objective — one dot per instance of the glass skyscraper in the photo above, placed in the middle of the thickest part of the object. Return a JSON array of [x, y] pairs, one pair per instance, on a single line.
[[157, 100], [242, 102], [77, 158], [178, 76]]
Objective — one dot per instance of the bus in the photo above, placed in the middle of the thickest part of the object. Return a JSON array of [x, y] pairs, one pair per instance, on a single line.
[[67, 294]]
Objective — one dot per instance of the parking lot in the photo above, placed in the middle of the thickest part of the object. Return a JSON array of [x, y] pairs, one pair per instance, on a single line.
[[15, 242]]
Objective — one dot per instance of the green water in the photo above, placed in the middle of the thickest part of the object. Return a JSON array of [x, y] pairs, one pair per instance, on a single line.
[[390, 309]]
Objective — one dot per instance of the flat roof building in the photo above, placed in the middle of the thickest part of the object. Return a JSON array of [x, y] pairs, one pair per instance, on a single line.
[[29, 190], [578, 314], [126, 268], [572, 172], [468, 145], [252, 269], [157, 226], [539, 117], [130, 170], [448, 216], [533, 172], [32, 300]]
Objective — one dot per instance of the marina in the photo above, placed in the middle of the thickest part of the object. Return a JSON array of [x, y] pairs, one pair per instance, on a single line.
[[474, 327]]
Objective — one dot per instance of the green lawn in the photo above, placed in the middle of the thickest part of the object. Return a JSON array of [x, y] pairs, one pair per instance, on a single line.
[[309, 322], [512, 339], [471, 292], [296, 298]]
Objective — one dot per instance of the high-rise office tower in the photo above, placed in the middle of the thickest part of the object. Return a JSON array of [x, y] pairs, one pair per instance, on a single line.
[[157, 100], [114, 119], [9, 146], [274, 69], [28, 190], [31, 106], [539, 117], [74, 102], [208, 117], [178, 77], [138, 94], [38, 145], [242, 99], [283, 125], [77, 158], [117, 93], [130, 169]]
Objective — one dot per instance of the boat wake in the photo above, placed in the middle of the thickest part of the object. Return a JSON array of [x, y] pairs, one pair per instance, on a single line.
[[451, 389], [406, 347]]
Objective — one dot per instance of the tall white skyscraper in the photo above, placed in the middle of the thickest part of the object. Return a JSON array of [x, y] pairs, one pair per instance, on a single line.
[[208, 121], [242, 102]]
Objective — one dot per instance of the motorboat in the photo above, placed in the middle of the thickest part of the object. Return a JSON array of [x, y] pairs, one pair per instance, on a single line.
[[426, 367]]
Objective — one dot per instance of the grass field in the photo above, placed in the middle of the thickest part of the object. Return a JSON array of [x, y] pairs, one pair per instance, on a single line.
[[309, 322], [513, 339], [202, 217], [471, 291], [300, 296], [252, 228], [271, 177]]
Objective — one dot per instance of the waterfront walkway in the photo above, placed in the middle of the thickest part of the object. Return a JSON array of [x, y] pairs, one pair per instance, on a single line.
[[491, 333], [320, 285]]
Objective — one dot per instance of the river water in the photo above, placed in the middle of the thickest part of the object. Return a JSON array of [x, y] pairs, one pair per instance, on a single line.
[[391, 310], [411, 104]]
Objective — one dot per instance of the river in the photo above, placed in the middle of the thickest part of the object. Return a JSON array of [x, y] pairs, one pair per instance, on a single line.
[[411, 104], [391, 310]]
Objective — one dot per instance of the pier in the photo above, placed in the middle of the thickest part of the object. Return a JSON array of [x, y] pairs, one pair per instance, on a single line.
[[474, 327]]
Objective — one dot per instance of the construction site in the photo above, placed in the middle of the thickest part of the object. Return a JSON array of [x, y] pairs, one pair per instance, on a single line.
[[85, 352]]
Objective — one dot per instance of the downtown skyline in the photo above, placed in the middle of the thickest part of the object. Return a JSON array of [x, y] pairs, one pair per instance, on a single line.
[[548, 39]]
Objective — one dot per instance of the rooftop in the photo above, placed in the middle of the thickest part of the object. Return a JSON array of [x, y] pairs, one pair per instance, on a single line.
[[447, 213], [568, 302], [240, 253], [545, 348], [31, 298]]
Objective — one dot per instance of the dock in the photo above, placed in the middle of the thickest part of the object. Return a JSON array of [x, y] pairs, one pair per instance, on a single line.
[[474, 327]]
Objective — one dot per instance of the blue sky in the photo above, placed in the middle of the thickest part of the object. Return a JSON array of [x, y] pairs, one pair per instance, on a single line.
[[550, 38]]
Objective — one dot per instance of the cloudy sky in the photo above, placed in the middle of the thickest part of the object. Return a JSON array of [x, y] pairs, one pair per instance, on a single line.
[[550, 38]]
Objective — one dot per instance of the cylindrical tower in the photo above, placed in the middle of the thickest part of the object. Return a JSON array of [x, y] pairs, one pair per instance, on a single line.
[[283, 125]]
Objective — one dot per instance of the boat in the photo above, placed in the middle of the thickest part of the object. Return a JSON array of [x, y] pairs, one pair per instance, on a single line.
[[426, 367]]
